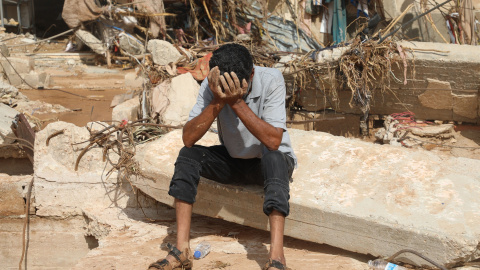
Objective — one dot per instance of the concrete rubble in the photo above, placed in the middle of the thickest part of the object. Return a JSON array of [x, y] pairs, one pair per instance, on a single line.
[[163, 52], [350, 194], [175, 104], [127, 110]]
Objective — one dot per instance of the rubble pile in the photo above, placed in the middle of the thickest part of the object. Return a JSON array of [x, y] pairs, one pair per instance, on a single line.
[[402, 130]]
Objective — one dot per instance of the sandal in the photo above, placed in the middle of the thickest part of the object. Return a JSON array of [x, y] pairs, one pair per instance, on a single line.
[[185, 259], [275, 264]]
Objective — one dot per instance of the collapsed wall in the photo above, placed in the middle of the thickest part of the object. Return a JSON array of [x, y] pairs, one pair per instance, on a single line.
[[440, 83]]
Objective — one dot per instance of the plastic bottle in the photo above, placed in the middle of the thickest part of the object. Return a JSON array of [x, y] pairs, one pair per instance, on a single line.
[[201, 250], [380, 264]]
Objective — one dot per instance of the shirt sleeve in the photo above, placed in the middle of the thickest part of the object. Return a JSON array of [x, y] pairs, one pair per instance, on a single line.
[[204, 98], [274, 111]]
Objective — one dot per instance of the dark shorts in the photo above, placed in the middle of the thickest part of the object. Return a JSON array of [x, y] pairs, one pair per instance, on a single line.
[[273, 171]]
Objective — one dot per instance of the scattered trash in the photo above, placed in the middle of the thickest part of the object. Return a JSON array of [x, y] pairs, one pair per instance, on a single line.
[[201, 250]]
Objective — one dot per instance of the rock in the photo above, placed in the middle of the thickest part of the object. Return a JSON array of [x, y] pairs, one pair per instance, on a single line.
[[132, 81], [127, 110], [7, 115], [175, 101], [347, 193], [163, 52]]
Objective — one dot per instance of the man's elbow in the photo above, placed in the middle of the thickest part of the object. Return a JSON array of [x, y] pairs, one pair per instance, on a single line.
[[274, 144], [188, 142]]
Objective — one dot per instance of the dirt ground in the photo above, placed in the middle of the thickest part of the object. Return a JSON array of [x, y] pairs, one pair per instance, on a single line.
[[88, 91]]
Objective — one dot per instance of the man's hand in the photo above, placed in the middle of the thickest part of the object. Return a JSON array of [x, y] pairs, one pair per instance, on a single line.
[[226, 89], [234, 91], [214, 84]]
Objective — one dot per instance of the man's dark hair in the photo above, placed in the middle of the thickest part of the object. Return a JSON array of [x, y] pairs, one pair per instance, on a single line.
[[233, 57]]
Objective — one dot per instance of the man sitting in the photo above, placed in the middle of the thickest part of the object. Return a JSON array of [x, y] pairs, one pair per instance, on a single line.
[[249, 102]]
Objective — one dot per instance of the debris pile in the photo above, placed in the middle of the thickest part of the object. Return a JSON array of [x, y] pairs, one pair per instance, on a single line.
[[403, 129]]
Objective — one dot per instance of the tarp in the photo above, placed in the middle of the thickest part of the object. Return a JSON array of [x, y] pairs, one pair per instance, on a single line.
[[75, 12]]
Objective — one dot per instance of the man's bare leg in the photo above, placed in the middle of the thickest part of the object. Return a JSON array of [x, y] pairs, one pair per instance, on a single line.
[[277, 225], [183, 211]]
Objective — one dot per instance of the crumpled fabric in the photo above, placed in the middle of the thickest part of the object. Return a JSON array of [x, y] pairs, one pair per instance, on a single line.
[[157, 23], [75, 12], [201, 69]]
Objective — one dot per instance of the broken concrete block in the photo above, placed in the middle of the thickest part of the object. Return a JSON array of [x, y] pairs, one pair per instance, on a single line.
[[131, 45], [15, 66], [127, 110], [10, 94], [7, 115], [121, 98], [13, 189], [91, 41], [362, 197], [4, 50], [21, 65], [181, 95], [465, 105], [163, 52], [36, 80], [63, 192], [132, 81]]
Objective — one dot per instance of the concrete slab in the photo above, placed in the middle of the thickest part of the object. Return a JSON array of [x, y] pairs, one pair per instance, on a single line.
[[53, 244], [358, 196], [12, 191]]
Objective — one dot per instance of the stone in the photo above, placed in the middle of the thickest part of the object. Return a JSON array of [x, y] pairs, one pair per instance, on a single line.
[[362, 197], [132, 81], [127, 110], [182, 96], [163, 52]]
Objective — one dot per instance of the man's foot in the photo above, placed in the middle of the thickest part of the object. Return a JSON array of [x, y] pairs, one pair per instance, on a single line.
[[174, 260], [275, 265]]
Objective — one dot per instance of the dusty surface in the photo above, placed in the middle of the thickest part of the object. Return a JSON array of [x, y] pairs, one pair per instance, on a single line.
[[140, 242]]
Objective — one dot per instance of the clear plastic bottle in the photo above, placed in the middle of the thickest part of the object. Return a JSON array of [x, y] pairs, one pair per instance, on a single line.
[[201, 250], [380, 264]]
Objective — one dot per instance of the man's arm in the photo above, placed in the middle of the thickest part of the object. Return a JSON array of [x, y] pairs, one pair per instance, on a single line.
[[267, 134], [199, 125]]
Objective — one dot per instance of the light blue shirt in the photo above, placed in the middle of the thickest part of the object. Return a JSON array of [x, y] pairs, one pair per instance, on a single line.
[[266, 100]]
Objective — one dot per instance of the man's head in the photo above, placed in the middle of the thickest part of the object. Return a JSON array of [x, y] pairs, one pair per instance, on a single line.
[[233, 57]]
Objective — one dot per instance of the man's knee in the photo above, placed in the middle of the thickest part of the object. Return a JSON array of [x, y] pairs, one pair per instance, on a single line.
[[186, 175]]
